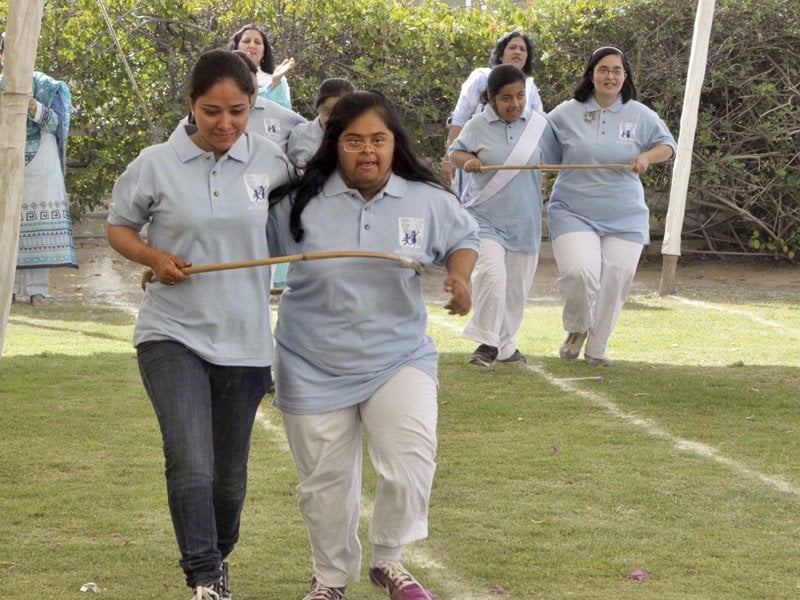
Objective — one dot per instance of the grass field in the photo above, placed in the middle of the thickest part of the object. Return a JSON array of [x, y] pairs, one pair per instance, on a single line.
[[682, 463]]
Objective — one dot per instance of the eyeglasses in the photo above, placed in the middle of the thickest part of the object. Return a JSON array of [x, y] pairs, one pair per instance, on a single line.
[[374, 145], [616, 71]]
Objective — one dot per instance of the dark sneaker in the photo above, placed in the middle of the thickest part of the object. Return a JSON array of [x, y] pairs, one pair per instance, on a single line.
[[596, 362], [571, 348], [392, 578], [225, 582], [517, 357], [321, 591], [206, 592], [484, 355]]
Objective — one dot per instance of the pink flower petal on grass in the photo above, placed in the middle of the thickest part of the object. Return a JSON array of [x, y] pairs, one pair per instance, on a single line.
[[638, 575], [497, 591]]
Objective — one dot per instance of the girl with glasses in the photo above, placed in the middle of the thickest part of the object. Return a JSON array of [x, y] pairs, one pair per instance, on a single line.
[[352, 350], [598, 219]]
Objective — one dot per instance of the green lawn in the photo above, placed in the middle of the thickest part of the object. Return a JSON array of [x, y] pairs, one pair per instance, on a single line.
[[681, 462]]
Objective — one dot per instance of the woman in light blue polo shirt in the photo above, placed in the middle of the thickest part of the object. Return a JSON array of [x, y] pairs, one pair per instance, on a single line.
[[203, 342], [509, 213], [352, 352], [597, 218]]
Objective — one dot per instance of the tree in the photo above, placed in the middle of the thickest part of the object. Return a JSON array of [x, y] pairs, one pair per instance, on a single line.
[[22, 24]]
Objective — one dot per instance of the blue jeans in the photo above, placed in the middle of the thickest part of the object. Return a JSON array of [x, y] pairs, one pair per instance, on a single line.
[[206, 414]]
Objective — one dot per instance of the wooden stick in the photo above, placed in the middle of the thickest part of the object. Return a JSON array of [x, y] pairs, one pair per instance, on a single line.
[[554, 167], [261, 262]]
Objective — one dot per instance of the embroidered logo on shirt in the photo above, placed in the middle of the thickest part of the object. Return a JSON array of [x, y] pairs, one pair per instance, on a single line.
[[411, 231], [257, 188], [627, 132], [272, 127]]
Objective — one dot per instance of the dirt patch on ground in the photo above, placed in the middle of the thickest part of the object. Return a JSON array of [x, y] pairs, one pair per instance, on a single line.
[[106, 277]]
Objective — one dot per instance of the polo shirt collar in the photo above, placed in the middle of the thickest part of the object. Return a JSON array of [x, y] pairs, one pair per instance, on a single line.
[[187, 149], [592, 105], [335, 185], [490, 115]]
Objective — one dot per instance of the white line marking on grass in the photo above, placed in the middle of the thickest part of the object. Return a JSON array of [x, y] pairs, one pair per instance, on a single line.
[[733, 311], [651, 428], [415, 554]]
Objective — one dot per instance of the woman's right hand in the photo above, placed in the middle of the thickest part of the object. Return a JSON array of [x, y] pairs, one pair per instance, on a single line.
[[473, 165], [167, 267], [448, 171]]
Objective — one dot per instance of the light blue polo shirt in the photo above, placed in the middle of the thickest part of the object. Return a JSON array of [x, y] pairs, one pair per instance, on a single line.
[[346, 326], [272, 120], [513, 216], [304, 142], [205, 211], [610, 202]]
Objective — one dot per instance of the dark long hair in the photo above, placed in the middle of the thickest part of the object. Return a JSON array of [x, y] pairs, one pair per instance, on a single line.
[[322, 165], [496, 58], [585, 88], [267, 61]]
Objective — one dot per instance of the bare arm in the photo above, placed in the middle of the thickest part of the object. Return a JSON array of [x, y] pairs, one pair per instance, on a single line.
[[464, 160], [448, 169], [166, 267], [459, 269]]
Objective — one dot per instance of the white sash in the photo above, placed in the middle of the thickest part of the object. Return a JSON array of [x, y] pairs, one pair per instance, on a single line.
[[519, 155]]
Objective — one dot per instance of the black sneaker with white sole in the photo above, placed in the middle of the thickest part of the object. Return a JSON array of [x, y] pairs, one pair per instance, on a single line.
[[483, 356], [517, 357]]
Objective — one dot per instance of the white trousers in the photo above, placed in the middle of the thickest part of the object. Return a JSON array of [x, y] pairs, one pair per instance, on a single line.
[[28, 282], [501, 281], [400, 425], [595, 275]]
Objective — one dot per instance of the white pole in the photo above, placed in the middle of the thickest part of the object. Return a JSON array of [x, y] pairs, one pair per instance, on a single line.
[[671, 246], [23, 25]]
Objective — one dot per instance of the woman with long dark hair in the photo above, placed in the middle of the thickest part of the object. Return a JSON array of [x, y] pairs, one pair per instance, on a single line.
[[597, 218], [272, 83], [352, 350]]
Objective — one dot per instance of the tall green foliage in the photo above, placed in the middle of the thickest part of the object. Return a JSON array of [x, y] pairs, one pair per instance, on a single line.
[[745, 169]]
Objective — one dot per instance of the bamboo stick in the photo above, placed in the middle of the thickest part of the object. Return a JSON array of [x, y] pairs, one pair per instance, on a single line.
[[555, 167], [261, 262]]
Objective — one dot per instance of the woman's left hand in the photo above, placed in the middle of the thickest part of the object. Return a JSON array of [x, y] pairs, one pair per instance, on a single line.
[[461, 300]]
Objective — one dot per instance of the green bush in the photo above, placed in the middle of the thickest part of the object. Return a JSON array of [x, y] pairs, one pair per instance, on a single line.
[[745, 161]]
